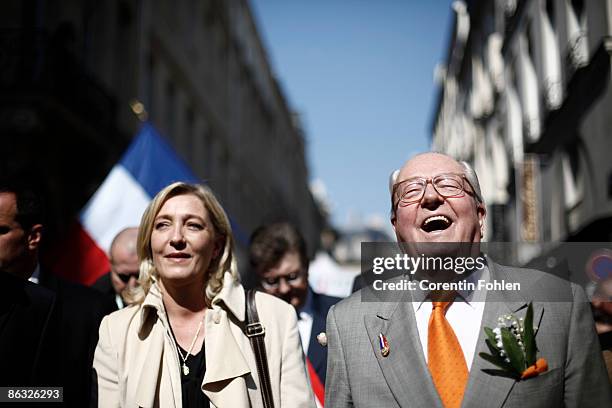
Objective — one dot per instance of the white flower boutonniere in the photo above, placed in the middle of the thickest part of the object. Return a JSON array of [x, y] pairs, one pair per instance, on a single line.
[[513, 347]]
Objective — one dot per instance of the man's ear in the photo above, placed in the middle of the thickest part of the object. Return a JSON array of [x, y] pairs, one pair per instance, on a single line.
[[481, 211], [394, 225], [35, 236]]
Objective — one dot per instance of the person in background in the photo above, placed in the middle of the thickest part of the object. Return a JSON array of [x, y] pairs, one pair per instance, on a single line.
[[124, 270], [78, 309], [29, 314], [278, 255], [181, 340], [601, 303]]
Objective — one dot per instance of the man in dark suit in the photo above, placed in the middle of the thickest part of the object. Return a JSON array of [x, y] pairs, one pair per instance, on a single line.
[[81, 311], [28, 314], [76, 310], [124, 267], [29, 335], [421, 348], [278, 255]]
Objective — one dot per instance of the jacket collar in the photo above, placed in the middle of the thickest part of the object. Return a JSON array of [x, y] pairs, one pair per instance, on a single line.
[[231, 298]]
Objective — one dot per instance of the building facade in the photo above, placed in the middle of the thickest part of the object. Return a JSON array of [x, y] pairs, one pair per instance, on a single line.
[[525, 97], [76, 69]]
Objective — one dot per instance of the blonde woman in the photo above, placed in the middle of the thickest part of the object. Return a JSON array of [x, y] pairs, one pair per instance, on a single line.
[[181, 341]]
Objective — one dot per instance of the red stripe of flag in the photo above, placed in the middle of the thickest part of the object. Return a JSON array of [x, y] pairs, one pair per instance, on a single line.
[[78, 258], [315, 382]]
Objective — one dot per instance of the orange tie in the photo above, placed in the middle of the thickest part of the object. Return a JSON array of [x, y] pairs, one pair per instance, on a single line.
[[445, 358]]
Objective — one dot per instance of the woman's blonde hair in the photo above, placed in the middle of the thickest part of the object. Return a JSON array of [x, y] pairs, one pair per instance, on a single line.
[[225, 262]]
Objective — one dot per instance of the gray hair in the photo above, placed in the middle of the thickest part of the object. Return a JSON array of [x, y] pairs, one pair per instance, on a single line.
[[472, 177]]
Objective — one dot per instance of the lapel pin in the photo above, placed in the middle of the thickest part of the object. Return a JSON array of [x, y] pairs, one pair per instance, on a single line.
[[322, 339], [384, 345]]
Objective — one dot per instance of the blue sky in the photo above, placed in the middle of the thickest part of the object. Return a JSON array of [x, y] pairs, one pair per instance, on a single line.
[[360, 73]]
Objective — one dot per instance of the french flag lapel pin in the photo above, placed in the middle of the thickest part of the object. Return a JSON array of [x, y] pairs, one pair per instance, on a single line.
[[384, 345]]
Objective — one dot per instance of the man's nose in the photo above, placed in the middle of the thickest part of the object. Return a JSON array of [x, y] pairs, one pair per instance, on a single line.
[[133, 282], [430, 195], [283, 286], [597, 302]]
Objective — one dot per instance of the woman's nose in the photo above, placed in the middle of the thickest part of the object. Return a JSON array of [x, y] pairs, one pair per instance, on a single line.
[[177, 236]]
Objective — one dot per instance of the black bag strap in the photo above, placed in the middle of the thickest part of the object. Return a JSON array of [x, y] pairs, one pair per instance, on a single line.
[[255, 331]]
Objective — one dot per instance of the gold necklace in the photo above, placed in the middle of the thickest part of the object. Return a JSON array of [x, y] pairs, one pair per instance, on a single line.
[[185, 368]]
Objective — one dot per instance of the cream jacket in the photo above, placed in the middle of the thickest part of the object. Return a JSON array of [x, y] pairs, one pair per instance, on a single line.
[[137, 363]]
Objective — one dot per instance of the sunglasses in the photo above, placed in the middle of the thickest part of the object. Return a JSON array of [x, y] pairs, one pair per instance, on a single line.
[[274, 283], [125, 278]]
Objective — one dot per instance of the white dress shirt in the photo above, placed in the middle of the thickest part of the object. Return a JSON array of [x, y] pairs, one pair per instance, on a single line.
[[119, 301], [36, 275], [464, 315], [305, 319]]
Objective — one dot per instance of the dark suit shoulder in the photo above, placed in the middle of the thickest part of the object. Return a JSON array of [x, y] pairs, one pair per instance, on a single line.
[[104, 284], [15, 289], [76, 296], [323, 302]]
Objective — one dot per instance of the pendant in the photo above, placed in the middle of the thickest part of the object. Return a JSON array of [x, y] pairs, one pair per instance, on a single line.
[[185, 369]]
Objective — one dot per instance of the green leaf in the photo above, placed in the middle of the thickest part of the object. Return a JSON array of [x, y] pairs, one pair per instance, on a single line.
[[514, 352], [493, 349], [529, 337], [497, 361]]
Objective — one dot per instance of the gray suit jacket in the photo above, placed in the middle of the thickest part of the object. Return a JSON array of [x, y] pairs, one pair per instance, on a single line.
[[358, 375]]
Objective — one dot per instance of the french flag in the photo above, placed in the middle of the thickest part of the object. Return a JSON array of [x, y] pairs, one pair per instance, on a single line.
[[148, 165]]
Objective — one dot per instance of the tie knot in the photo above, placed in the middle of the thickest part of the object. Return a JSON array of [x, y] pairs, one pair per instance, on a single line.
[[441, 305], [442, 296]]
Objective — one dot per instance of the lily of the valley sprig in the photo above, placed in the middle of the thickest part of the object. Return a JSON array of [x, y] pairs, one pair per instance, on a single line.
[[513, 347]]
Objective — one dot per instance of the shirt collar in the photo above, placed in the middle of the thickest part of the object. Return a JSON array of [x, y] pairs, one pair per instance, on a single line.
[[307, 307], [35, 278], [466, 295]]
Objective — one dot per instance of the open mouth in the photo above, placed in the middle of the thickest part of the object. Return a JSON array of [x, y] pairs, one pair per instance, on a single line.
[[436, 223]]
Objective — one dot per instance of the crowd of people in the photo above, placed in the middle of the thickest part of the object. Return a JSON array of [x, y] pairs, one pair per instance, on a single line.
[[171, 325]]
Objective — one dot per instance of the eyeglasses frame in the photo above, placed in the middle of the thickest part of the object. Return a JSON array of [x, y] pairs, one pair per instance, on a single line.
[[429, 180]]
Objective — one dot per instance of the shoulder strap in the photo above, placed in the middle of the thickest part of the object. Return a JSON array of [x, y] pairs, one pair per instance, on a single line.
[[255, 331]]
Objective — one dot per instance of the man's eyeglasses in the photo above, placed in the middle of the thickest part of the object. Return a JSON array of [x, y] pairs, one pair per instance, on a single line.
[[125, 278], [274, 283], [447, 185]]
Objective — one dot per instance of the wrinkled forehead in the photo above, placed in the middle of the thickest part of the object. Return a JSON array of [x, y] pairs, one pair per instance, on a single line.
[[428, 165]]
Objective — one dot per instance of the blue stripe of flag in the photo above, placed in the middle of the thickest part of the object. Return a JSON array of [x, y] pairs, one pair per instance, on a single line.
[[154, 164]]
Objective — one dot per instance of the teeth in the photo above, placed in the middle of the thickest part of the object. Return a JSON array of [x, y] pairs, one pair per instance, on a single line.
[[437, 218]]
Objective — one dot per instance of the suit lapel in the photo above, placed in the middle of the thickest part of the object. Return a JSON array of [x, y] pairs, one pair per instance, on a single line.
[[316, 353], [404, 369], [482, 386]]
